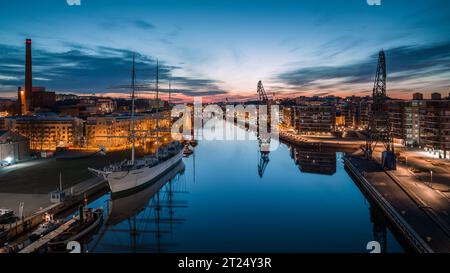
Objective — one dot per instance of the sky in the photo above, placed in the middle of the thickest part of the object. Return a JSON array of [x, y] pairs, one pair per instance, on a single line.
[[220, 49]]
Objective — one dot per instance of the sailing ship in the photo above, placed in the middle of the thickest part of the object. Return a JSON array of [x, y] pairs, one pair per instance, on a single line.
[[131, 174]]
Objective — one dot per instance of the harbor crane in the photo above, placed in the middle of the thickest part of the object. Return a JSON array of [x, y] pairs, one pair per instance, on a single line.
[[262, 95], [379, 125]]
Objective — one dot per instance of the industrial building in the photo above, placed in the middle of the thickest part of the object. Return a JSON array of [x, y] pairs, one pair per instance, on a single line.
[[30, 99], [13, 147]]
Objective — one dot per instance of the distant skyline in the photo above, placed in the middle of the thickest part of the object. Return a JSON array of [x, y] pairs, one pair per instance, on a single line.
[[221, 49]]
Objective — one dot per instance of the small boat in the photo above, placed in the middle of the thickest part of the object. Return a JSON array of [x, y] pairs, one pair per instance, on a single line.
[[187, 151], [193, 143], [45, 228], [88, 222], [6, 216]]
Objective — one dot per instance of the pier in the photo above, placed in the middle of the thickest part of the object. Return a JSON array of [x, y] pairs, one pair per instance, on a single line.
[[422, 224], [75, 195], [44, 240]]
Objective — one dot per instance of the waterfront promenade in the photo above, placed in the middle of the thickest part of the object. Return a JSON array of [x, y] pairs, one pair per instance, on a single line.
[[419, 213]]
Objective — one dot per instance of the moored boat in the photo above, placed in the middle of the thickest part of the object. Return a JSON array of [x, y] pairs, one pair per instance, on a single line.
[[129, 175], [88, 222], [193, 143], [6, 216], [45, 227], [187, 150]]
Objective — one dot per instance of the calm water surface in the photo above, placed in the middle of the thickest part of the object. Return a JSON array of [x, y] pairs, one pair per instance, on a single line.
[[216, 201]]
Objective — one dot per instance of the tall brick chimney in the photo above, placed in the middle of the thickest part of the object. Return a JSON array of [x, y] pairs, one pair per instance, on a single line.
[[28, 76]]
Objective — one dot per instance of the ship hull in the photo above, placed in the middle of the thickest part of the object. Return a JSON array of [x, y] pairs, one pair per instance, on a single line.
[[126, 181]]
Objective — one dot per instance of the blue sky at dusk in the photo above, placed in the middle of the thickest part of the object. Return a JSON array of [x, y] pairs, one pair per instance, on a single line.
[[221, 48]]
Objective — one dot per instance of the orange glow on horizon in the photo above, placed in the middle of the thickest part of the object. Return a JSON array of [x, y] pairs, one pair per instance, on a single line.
[[241, 96], [236, 96]]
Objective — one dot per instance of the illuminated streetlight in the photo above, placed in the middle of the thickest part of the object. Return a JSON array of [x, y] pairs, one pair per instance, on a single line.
[[9, 159]]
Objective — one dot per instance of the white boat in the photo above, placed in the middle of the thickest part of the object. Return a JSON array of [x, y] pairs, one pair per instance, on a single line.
[[131, 174], [126, 176], [126, 206]]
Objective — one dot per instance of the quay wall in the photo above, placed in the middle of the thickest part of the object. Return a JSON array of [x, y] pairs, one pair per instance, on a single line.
[[345, 146]]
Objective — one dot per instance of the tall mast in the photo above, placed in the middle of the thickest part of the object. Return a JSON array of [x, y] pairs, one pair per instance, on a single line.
[[157, 100], [132, 113], [60, 182], [170, 91]]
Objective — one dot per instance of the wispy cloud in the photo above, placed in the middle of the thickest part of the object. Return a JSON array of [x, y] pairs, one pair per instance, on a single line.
[[120, 23], [143, 24], [412, 64], [99, 70]]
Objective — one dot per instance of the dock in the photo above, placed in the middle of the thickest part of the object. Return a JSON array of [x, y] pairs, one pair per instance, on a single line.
[[44, 240], [418, 223], [76, 195]]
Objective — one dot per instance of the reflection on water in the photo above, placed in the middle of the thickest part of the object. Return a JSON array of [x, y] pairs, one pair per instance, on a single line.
[[314, 161], [219, 201], [379, 227], [143, 216]]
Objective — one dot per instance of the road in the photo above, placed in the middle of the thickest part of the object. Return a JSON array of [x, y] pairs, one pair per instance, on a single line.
[[420, 160]]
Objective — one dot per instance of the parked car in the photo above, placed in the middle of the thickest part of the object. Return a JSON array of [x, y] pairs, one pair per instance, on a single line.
[[7, 161]]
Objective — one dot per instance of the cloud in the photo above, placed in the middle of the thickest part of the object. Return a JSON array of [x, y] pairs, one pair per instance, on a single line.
[[191, 93], [142, 24], [99, 70], [137, 23], [405, 65]]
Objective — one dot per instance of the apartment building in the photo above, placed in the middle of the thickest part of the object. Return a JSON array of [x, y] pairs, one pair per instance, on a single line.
[[47, 132], [422, 123], [435, 126], [311, 119]]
